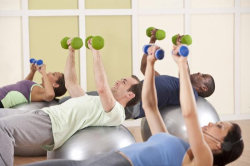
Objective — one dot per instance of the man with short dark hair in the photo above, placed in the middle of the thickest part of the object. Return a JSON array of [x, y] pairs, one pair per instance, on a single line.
[[167, 88], [50, 127]]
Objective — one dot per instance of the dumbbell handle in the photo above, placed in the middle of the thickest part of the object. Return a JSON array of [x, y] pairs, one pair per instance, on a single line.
[[159, 53], [183, 51]]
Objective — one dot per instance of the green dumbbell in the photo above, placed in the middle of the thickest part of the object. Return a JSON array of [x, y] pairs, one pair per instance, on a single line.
[[184, 39], [97, 42], [76, 43], [159, 34]]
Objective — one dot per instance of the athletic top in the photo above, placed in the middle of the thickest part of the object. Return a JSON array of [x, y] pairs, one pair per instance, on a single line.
[[161, 149], [78, 113], [168, 92], [18, 93]]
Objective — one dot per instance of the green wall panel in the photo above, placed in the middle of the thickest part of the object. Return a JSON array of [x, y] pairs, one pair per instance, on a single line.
[[117, 52], [107, 4], [53, 4], [45, 36]]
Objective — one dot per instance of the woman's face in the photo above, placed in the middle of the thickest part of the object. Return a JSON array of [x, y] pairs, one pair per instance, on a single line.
[[217, 131]]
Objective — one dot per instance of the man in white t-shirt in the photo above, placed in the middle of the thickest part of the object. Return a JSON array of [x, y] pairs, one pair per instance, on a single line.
[[50, 127]]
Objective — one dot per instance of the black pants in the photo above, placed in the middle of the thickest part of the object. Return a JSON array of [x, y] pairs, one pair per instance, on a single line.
[[1, 105], [108, 159]]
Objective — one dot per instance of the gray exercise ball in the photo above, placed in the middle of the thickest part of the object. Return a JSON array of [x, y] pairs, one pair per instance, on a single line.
[[174, 121], [35, 105], [26, 150], [92, 141]]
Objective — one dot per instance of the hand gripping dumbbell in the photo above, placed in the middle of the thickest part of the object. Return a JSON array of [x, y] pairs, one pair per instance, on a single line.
[[184, 39], [159, 34], [182, 51], [76, 43], [97, 42], [37, 62], [159, 53]]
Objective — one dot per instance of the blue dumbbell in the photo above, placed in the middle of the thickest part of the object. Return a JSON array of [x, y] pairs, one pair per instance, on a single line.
[[37, 62], [183, 51], [159, 54]]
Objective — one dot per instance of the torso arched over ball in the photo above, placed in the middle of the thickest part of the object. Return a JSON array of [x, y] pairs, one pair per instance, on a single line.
[[174, 121]]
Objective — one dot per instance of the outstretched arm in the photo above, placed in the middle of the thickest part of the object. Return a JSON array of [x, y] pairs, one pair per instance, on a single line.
[[70, 76], [30, 76], [47, 92], [149, 98], [101, 81], [200, 149], [144, 57]]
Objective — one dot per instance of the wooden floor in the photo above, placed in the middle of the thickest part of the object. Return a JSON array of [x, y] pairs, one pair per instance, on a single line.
[[244, 160]]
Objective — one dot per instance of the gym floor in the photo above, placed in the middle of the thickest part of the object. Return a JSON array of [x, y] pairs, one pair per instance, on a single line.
[[244, 160]]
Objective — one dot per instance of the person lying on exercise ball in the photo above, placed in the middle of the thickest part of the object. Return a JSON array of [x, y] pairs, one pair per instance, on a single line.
[[214, 144], [51, 127], [25, 91]]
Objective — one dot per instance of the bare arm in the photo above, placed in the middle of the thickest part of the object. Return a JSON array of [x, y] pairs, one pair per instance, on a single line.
[[101, 81], [71, 83], [30, 76], [144, 57], [47, 92], [200, 149], [149, 98]]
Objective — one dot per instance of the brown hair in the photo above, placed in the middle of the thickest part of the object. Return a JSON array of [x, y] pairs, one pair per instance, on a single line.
[[235, 149], [61, 90]]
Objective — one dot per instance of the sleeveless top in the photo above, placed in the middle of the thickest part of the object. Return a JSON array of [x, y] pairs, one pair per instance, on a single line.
[[18, 93]]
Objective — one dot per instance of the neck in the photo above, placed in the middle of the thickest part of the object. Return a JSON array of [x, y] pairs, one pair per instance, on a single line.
[[120, 100]]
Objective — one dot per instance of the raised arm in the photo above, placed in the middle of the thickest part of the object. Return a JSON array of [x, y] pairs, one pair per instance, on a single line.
[[149, 98], [200, 149], [30, 76], [70, 76], [101, 81], [144, 57], [47, 92]]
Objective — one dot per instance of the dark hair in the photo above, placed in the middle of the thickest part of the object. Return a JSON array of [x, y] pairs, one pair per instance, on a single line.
[[61, 90], [210, 87], [136, 89], [234, 139]]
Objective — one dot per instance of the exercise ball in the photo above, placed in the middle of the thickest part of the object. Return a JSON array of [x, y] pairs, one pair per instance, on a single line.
[[173, 119], [92, 141], [35, 105], [26, 150]]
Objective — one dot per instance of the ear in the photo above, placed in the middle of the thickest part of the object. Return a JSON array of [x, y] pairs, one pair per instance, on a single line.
[[130, 95], [55, 85], [204, 88], [218, 146]]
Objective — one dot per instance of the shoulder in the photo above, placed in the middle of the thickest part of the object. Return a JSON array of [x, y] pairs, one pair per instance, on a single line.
[[166, 78], [118, 111]]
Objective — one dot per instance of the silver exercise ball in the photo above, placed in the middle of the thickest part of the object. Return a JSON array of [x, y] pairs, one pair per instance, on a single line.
[[26, 150], [35, 105], [174, 121], [92, 141]]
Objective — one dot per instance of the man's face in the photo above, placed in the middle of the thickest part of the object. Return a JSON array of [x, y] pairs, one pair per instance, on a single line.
[[122, 86], [199, 78]]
